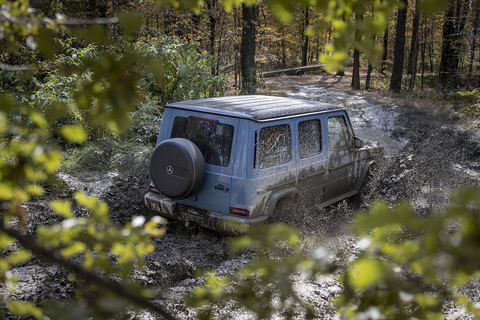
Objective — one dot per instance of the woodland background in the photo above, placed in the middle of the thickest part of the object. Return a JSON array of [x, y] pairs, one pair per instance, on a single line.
[[83, 84], [440, 42]]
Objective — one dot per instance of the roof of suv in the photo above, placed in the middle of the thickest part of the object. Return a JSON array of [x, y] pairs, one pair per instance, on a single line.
[[256, 107]]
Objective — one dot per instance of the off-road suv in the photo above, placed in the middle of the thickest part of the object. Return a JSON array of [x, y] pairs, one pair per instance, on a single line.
[[224, 163]]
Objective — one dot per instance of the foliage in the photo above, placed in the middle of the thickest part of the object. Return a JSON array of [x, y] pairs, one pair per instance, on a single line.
[[264, 285], [186, 71], [471, 102], [337, 17], [409, 266], [28, 160], [412, 267], [105, 89]]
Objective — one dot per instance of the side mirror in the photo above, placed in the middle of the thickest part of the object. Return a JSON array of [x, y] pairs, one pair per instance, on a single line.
[[358, 143]]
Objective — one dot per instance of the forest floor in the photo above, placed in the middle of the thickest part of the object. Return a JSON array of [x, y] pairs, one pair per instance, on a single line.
[[424, 151]]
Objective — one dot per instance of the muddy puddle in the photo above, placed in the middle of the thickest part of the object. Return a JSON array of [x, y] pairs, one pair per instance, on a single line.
[[375, 123], [423, 158]]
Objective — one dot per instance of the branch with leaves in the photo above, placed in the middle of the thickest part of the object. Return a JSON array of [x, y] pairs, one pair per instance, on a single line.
[[56, 257]]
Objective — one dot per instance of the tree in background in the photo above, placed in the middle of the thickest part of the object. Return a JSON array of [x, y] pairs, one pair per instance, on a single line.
[[455, 19], [248, 48], [356, 56], [305, 37], [399, 51]]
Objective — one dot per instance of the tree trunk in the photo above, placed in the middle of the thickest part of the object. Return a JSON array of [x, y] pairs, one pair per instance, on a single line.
[[452, 27], [399, 50], [356, 56], [220, 44], [247, 51], [414, 41], [211, 6], [412, 63], [369, 70], [446, 60], [385, 51], [305, 39], [424, 46], [284, 50], [472, 51]]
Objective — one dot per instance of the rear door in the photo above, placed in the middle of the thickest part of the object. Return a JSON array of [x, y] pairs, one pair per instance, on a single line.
[[273, 166], [215, 137]]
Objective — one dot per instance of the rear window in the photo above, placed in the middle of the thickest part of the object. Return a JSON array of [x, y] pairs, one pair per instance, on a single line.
[[214, 139], [273, 146]]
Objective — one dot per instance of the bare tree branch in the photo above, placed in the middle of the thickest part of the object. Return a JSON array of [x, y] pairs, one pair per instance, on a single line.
[[55, 257], [6, 16], [71, 22], [10, 67]]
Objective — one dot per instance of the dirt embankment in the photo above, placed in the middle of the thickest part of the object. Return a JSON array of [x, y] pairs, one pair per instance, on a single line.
[[430, 152]]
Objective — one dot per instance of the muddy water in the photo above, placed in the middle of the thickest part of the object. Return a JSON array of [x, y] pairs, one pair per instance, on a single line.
[[375, 123]]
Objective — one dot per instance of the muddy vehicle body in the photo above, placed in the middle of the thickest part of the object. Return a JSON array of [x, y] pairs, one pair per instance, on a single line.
[[224, 163]]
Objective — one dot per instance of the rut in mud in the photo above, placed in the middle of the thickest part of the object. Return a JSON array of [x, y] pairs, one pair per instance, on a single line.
[[422, 154]]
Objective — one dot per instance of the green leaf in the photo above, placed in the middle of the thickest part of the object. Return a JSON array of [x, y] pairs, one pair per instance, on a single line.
[[45, 43], [365, 273], [63, 208], [74, 133], [3, 122], [74, 249], [5, 241], [131, 22], [19, 256], [20, 308], [6, 191], [433, 6], [282, 9], [93, 33], [35, 190]]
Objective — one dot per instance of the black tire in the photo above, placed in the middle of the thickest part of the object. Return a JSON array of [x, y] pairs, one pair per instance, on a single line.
[[177, 168]]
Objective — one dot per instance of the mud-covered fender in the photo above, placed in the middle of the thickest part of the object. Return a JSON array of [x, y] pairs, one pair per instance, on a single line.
[[366, 167], [275, 196]]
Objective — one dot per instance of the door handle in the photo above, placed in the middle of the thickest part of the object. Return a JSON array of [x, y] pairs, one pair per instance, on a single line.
[[221, 188]]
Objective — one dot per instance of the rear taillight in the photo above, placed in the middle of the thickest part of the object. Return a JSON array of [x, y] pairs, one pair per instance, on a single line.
[[153, 189], [239, 211]]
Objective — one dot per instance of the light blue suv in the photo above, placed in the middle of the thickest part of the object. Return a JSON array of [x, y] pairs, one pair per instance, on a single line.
[[224, 163]]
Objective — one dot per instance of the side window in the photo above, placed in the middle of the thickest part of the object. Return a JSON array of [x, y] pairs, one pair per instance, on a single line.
[[273, 146], [338, 133], [309, 138]]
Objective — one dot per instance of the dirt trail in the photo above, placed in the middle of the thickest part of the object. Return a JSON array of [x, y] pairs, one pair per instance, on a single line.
[[430, 152]]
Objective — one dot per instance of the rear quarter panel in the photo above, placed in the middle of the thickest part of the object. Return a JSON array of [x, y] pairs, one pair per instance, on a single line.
[[257, 188]]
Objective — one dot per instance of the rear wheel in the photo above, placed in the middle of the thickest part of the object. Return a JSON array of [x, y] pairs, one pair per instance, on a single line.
[[177, 168], [288, 209]]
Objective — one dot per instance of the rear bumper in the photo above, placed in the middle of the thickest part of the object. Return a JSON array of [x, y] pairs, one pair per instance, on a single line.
[[222, 222]]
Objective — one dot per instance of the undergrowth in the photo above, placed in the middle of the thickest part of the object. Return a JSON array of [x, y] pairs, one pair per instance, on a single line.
[[126, 154], [186, 76]]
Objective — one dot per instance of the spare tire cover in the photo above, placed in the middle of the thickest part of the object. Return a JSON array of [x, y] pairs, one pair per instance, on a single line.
[[177, 168]]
